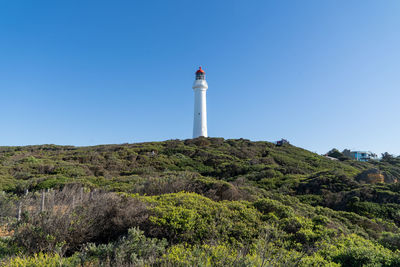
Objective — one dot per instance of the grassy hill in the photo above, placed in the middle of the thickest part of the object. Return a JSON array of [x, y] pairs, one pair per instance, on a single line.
[[204, 201]]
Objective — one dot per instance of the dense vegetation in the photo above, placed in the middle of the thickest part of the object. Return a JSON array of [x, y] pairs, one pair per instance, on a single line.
[[197, 202]]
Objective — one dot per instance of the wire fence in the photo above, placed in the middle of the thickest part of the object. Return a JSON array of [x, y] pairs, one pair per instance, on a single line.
[[33, 203]]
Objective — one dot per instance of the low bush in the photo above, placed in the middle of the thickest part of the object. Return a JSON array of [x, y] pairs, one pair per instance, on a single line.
[[191, 218], [134, 249], [353, 250], [74, 217]]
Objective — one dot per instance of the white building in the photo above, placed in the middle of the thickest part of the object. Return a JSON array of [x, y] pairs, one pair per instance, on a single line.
[[200, 87]]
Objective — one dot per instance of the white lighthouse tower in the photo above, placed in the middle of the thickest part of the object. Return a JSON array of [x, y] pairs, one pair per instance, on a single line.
[[200, 87]]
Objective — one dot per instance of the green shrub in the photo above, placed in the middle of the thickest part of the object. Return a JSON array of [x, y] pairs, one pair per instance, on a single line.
[[188, 217], [354, 250], [267, 206], [390, 240], [133, 249], [205, 255]]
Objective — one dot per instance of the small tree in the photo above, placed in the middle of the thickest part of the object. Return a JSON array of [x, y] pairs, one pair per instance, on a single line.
[[334, 153], [386, 156], [346, 152]]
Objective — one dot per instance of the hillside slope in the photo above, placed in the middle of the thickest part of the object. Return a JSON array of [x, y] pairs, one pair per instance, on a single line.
[[203, 195]]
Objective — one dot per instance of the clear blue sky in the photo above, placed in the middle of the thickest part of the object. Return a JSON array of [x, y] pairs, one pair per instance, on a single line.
[[322, 74]]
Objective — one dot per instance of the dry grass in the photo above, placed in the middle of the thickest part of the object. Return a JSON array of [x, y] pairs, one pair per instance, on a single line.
[[4, 231]]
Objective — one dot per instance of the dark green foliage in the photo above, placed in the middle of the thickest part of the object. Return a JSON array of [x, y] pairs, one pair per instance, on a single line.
[[334, 153]]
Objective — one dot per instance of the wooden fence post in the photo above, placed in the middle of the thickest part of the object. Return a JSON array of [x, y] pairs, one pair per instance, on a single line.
[[81, 194], [19, 210], [42, 202]]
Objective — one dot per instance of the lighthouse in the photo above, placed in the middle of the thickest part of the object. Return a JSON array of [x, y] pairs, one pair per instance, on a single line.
[[200, 87]]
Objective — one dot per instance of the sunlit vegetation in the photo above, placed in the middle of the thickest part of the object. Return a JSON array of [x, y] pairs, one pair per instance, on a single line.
[[197, 202]]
